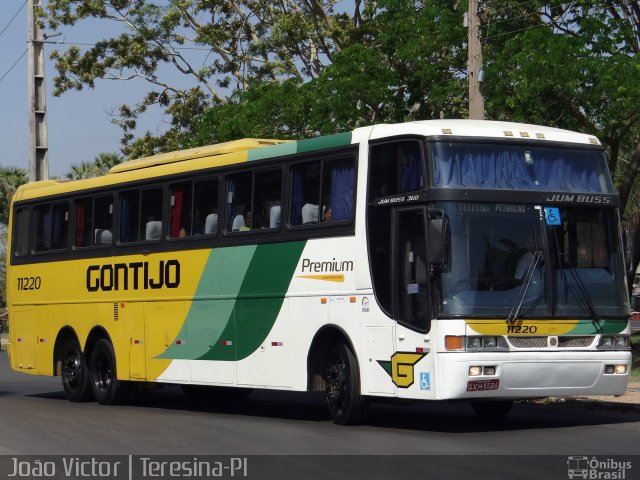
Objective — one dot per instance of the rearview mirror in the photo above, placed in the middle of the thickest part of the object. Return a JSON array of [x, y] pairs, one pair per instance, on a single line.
[[438, 241]]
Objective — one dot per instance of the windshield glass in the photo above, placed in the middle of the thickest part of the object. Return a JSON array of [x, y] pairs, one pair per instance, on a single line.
[[585, 255], [493, 246], [517, 166], [538, 261]]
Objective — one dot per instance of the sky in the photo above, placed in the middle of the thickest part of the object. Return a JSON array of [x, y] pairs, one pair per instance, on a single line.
[[79, 125]]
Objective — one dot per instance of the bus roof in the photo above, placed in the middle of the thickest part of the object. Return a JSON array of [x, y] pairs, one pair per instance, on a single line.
[[198, 152], [250, 149], [479, 129]]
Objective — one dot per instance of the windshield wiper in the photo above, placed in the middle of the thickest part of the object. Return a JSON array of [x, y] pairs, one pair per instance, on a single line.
[[585, 295], [517, 306]]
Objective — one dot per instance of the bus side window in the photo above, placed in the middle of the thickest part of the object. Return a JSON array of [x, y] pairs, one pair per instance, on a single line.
[[338, 185], [103, 220], [21, 236], [205, 207], [129, 216], [60, 226], [395, 167], [151, 214], [94, 221], [181, 202], [84, 222], [239, 214], [266, 199], [42, 228], [305, 180], [51, 227], [322, 192]]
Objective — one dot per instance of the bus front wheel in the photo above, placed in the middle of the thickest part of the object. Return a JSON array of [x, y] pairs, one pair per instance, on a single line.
[[107, 389], [75, 373], [346, 405]]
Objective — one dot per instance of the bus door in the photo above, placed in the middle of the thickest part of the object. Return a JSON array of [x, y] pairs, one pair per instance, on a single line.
[[413, 366]]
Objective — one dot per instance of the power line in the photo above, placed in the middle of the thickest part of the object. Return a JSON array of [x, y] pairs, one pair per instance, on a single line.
[[13, 18], [13, 66], [81, 44], [514, 31]]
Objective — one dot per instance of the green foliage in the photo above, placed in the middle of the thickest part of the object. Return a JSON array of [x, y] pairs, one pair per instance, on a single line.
[[247, 41], [3, 266], [100, 166], [10, 179], [301, 68]]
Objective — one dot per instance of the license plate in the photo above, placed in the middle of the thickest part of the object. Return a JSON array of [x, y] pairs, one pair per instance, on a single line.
[[482, 385]]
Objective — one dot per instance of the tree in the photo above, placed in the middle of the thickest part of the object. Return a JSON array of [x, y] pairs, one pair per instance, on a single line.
[[3, 266], [102, 163], [105, 160], [242, 39], [408, 63], [10, 179], [571, 65]]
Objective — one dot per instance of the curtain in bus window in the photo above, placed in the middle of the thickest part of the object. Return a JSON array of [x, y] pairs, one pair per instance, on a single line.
[[480, 166], [342, 182], [296, 198], [176, 213]]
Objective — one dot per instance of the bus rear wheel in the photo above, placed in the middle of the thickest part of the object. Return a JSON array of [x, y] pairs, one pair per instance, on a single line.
[[346, 405], [75, 373], [492, 410], [107, 389]]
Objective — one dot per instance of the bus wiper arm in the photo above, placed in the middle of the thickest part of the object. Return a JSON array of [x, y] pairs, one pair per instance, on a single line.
[[517, 306], [585, 295]]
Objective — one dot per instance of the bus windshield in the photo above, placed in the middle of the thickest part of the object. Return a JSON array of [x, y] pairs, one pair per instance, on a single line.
[[518, 166], [508, 255]]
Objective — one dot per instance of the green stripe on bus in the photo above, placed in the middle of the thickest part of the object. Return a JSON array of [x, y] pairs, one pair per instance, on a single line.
[[591, 327], [301, 146], [208, 316], [320, 143], [272, 151], [261, 296]]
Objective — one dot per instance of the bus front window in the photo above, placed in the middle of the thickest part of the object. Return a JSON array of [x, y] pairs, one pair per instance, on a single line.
[[494, 249], [586, 256], [501, 253]]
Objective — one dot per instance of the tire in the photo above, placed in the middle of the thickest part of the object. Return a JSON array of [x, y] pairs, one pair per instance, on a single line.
[[106, 387], [492, 410], [75, 373], [346, 405]]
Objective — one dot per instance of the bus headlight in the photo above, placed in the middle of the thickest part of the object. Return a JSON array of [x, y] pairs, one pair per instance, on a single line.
[[615, 342], [486, 343]]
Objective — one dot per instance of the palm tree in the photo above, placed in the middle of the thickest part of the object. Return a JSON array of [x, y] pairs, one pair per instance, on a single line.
[[105, 160], [10, 179], [100, 166], [82, 170]]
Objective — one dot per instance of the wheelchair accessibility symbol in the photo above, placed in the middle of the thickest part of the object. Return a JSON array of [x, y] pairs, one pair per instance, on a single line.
[[552, 216]]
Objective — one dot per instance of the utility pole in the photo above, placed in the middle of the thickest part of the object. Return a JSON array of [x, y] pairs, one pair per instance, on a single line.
[[474, 51], [38, 145]]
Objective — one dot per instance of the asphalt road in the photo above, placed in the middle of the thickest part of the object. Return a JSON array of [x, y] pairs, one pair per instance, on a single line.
[[38, 420]]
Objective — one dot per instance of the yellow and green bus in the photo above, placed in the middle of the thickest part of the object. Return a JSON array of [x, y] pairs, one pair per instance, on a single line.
[[432, 260]]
